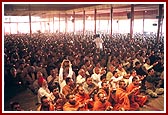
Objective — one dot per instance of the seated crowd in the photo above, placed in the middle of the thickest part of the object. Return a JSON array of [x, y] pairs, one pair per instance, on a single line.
[[68, 73]]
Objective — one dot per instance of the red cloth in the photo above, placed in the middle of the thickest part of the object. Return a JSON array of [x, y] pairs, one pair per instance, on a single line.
[[40, 80]]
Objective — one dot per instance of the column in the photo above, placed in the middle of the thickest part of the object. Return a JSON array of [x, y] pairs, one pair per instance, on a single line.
[[53, 24], [66, 23], [159, 21], [95, 12], [30, 21], [131, 22], [74, 21], [59, 23], [83, 22], [143, 23], [111, 20]]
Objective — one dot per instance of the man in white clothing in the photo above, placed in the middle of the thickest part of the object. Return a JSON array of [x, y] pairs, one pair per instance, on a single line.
[[115, 80], [43, 91], [96, 75], [99, 43], [64, 72], [80, 79]]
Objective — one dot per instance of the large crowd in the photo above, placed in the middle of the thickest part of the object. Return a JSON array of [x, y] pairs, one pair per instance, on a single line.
[[71, 72]]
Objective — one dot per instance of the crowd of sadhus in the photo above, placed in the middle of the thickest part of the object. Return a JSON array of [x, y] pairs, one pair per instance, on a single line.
[[68, 72]]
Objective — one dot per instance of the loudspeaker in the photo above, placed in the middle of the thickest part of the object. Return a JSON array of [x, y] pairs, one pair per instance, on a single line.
[[97, 35], [154, 24], [129, 15]]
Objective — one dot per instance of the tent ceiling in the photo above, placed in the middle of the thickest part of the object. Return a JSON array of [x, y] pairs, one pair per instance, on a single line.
[[103, 10]]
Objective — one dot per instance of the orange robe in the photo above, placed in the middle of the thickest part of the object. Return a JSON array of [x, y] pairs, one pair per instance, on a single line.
[[66, 90], [83, 99], [137, 97], [124, 101], [101, 91], [110, 96], [69, 107], [99, 106]]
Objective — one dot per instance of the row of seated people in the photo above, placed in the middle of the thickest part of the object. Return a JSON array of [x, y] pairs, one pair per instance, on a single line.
[[90, 97], [66, 70], [103, 99], [91, 86], [45, 58]]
